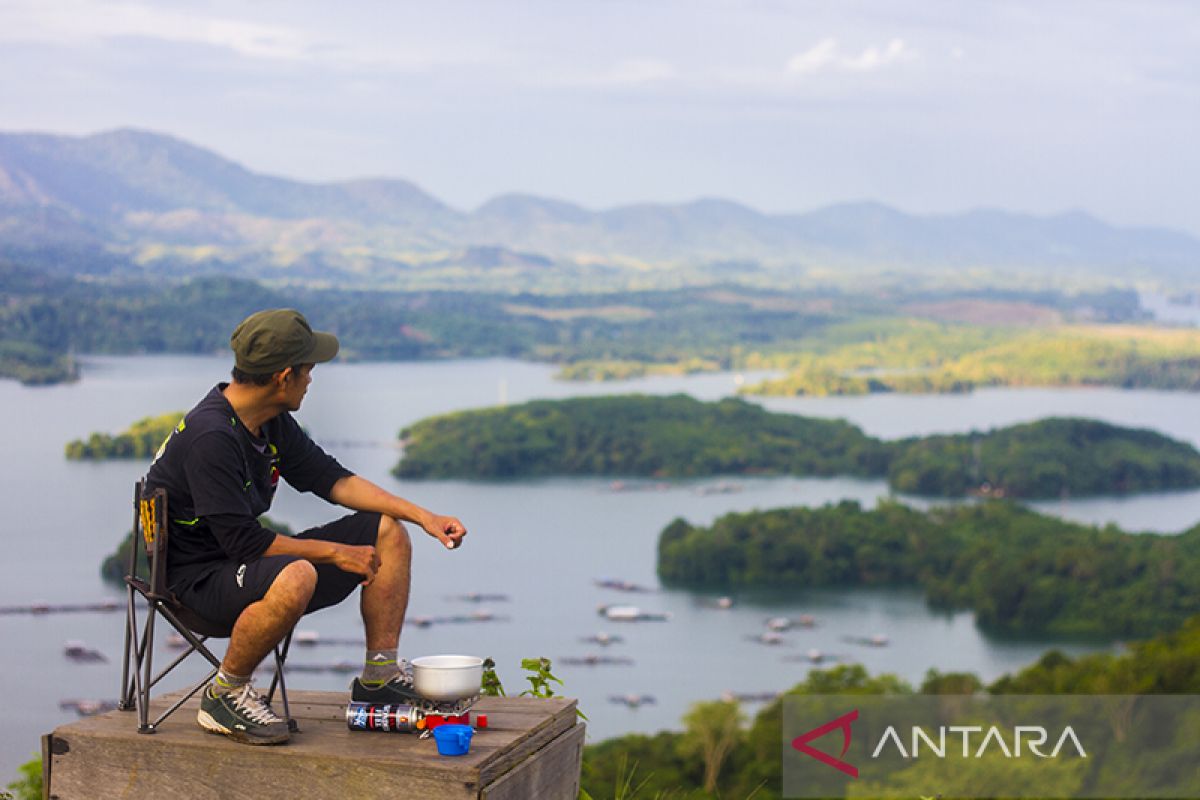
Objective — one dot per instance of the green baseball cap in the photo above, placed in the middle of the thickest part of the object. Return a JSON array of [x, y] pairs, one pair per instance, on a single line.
[[268, 341]]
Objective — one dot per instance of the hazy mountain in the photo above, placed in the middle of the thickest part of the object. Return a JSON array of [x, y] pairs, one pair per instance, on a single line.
[[153, 197], [111, 174]]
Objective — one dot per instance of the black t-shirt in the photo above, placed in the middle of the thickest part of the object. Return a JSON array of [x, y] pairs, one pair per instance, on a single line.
[[219, 478]]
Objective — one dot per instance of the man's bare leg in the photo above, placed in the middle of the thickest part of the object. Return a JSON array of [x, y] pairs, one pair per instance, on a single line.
[[229, 706], [385, 601], [263, 625]]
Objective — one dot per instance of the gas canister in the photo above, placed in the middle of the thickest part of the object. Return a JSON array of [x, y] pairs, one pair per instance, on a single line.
[[397, 718]]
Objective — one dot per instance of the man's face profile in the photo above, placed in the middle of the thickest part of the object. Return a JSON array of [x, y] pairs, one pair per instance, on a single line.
[[295, 384]]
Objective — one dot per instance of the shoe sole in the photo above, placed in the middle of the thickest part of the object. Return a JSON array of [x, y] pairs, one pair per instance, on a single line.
[[210, 725]]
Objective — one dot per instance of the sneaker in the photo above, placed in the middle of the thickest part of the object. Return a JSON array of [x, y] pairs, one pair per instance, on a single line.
[[397, 690], [242, 715]]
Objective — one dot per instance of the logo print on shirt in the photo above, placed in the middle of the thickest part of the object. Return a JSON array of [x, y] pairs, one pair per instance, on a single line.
[[274, 464], [241, 576]]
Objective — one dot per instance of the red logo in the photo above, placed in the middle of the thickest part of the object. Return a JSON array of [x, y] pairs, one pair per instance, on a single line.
[[843, 722]]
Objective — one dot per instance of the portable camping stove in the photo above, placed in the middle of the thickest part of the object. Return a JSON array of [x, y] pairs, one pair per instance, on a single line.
[[454, 712]]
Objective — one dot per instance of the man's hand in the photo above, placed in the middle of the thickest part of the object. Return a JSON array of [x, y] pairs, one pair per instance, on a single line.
[[359, 559], [447, 530]]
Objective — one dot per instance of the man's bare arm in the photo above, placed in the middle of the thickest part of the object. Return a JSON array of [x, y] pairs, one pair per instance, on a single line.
[[360, 494]]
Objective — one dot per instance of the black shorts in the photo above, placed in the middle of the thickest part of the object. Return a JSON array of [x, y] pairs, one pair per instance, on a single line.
[[221, 592]]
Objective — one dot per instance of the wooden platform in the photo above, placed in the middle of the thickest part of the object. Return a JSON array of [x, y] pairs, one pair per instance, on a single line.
[[531, 749]]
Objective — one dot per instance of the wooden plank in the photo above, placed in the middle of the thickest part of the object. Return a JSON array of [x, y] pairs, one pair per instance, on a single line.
[[551, 773], [47, 750], [120, 768]]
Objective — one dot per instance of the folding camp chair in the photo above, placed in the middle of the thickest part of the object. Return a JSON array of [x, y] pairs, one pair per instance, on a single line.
[[151, 531]]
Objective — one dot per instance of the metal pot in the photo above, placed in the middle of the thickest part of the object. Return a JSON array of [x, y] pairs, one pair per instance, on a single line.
[[447, 677]]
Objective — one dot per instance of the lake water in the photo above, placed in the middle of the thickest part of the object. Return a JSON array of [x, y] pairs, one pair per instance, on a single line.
[[540, 542]]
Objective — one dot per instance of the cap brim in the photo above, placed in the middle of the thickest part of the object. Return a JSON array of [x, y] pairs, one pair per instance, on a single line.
[[325, 348]]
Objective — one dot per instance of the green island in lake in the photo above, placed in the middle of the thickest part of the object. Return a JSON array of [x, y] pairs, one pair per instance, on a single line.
[[680, 437], [35, 366], [1019, 571], [140, 440]]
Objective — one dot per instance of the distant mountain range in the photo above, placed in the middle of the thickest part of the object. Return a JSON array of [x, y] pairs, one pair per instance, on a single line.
[[130, 197]]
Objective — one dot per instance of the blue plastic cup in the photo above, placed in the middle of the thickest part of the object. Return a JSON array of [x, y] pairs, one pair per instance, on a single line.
[[453, 740]]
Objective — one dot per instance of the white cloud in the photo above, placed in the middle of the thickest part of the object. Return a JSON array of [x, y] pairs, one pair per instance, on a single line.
[[827, 55], [815, 59], [72, 22]]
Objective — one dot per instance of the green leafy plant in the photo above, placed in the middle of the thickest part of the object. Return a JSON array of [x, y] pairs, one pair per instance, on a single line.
[[29, 785], [491, 681], [539, 678]]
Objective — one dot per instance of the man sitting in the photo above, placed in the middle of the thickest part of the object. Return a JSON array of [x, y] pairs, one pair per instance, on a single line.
[[220, 468]]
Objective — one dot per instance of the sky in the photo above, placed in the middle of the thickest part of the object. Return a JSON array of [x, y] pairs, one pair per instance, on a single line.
[[939, 106]]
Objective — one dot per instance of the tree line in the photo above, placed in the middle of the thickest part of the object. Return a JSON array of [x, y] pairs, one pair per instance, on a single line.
[[44, 317]]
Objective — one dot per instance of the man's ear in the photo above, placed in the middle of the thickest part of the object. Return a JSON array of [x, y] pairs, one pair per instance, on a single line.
[[283, 376]]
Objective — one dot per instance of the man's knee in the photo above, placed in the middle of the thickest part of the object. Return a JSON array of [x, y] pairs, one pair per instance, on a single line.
[[392, 536], [295, 583]]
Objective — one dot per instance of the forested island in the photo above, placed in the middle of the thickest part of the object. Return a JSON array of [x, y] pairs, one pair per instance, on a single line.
[[1054, 457], [140, 440], [677, 437], [634, 435], [744, 761], [1019, 571], [35, 366]]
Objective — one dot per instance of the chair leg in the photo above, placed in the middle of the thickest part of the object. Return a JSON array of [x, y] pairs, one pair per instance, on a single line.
[[144, 725], [277, 678], [125, 703], [281, 652], [136, 688]]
